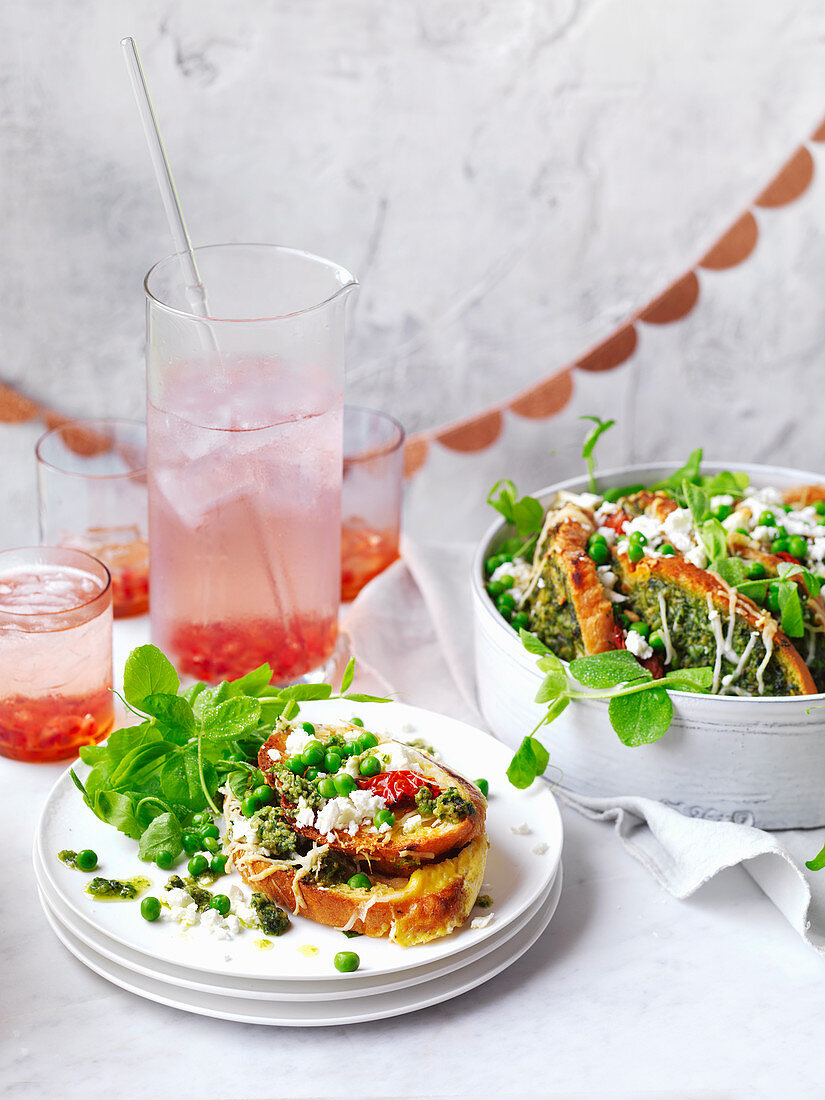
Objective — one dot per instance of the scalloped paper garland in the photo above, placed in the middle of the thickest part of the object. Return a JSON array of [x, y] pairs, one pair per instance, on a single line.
[[549, 396]]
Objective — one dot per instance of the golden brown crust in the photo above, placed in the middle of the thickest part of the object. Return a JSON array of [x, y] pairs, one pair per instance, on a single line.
[[803, 495], [699, 582], [653, 502], [394, 849], [429, 904], [566, 541]]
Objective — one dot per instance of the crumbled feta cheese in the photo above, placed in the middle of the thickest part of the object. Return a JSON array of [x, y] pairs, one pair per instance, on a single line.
[[723, 498], [411, 823], [637, 645], [178, 897], [581, 500], [274, 755], [384, 827], [398, 757], [297, 740], [606, 508], [520, 571], [482, 922], [607, 576], [338, 813], [305, 815], [608, 534], [697, 557], [678, 529], [646, 525], [523, 829], [540, 849]]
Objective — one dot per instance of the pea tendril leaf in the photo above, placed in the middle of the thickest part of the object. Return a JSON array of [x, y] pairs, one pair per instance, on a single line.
[[589, 445], [639, 708], [149, 779]]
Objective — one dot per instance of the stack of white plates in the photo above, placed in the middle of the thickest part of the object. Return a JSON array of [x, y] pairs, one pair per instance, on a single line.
[[292, 980]]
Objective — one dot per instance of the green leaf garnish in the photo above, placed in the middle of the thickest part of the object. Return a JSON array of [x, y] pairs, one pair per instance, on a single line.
[[349, 673], [164, 834], [589, 445], [148, 672], [606, 670], [530, 761], [525, 514], [641, 719]]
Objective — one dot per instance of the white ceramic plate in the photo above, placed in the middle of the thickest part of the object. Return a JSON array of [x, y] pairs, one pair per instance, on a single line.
[[516, 876], [373, 1006], [356, 985]]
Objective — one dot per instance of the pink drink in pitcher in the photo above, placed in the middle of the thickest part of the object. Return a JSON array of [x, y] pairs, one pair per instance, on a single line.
[[55, 653], [244, 517]]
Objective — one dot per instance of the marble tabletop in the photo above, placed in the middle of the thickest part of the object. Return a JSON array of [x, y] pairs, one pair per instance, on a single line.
[[627, 993]]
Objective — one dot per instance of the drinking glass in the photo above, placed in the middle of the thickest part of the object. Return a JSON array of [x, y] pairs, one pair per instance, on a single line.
[[245, 459], [91, 477], [55, 652], [370, 496]]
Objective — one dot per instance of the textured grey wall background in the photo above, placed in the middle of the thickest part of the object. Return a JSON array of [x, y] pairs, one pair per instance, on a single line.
[[507, 179]]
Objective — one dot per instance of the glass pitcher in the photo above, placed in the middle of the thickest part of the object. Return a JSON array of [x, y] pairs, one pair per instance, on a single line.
[[244, 422]]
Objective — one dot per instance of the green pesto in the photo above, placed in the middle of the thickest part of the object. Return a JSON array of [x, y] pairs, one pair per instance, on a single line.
[[692, 637], [484, 901], [552, 617], [272, 919], [198, 894], [113, 889], [450, 805], [419, 743], [334, 869], [273, 832], [294, 787], [68, 857]]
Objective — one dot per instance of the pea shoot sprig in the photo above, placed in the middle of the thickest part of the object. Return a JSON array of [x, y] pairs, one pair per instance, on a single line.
[[589, 445], [525, 514], [781, 594], [639, 709], [150, 779]]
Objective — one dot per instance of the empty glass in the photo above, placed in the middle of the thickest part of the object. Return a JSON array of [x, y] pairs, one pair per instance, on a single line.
[[92, 484], [370, 496]]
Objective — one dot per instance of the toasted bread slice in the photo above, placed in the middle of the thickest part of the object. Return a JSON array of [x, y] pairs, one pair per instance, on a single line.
[[416, 837], [689, 606], [802, 495], [431, 902], [567, 603]]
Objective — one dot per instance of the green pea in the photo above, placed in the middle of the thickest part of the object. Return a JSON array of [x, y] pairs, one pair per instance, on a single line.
[[150, 909], [86, 860], [483, 786], [332, 761], [773, 596], [383, 817], [779, 546], [296, 765], [757, 571], [638, 538], [490, 566], [357, 722], [264, 794], [313, 753], [344, 783], [326, 787], [506, 603], [220, 902], [640, 628], [621, 619], [191, 842], [767, 519], [210, 830], [250, 806], [742, 531], [359, 882], [600, 553], [165, 860], [635, 552], [506, 581], [656, 640], [197, 865], [722, 511], [667, 549], [370, 765], [211, 844], [217, 864], [367, 741], [798, 546], [346, 962], [308, 727], [201, 819], [819, 507], [502, 558], [311, 774], [780, 533], [495, 589], [521, 621], [787, 507]]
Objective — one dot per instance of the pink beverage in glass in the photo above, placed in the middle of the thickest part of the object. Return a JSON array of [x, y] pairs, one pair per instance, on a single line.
[[55, 653], [244, 461], [244, 553]]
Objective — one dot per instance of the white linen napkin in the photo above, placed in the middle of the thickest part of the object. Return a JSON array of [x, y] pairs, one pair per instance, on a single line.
[[410, 631]]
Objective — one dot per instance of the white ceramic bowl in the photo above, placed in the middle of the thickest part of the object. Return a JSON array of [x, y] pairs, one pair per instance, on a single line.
[[753, 761]]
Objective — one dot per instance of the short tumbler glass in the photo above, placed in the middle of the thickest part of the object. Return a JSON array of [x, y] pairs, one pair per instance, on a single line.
[[55, 653], [92, 483], [370, 496]]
